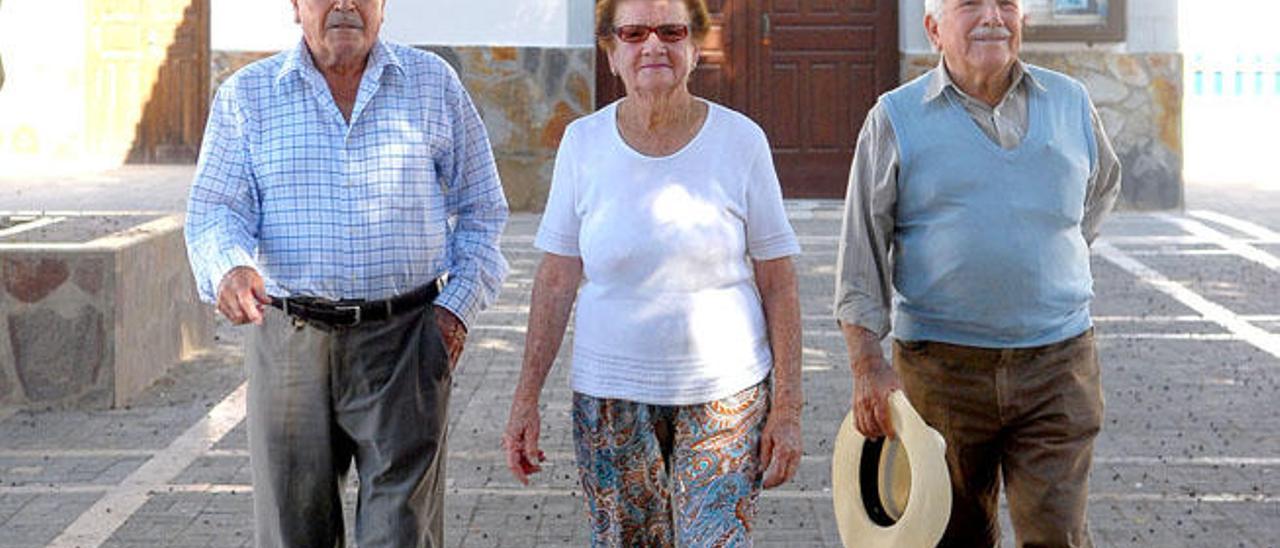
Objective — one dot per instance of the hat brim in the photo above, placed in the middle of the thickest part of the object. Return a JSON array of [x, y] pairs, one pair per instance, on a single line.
[[929, 504]]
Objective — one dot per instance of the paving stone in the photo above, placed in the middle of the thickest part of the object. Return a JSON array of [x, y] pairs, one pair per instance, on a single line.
[[1172, 407], [47, 470], [28, 520]]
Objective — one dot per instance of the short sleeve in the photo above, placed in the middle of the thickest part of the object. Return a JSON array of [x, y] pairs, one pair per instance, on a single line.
[[769, 233], [558, 232]]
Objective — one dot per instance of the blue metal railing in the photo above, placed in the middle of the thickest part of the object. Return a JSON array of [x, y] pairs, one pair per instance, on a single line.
[[1238, 75]]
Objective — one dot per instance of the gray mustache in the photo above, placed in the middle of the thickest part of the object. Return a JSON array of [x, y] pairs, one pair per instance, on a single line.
[[343, 19], [987, 33]]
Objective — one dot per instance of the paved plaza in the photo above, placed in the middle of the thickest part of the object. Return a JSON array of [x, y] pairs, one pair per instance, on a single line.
[[1187, 312]]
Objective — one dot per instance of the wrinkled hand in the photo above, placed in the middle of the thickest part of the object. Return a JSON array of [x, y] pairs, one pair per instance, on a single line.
[[780, 446], [242, 295], [520, 440], [872, 385], [453, 332]]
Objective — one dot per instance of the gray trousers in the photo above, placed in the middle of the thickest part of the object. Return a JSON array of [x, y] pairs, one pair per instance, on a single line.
[[378, 393]]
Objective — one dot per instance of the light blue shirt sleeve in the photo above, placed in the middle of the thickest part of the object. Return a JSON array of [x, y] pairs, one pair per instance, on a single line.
[[222, 211], [477, 208]]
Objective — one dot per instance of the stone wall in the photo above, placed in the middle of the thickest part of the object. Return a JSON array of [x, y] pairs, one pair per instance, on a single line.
[[1139, 97], [57, 346], [526, 96], [91, 324]]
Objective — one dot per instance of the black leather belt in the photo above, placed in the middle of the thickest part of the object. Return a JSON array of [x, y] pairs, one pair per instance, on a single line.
[[353, 312]]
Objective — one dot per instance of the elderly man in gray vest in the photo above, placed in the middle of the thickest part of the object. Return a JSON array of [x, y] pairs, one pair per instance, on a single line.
[[974, 194]]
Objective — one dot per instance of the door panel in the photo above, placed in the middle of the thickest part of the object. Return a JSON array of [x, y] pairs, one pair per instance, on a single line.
[[816, 71], [148, 65]]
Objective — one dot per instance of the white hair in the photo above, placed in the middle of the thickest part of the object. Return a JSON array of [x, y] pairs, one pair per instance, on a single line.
[[934, 8]]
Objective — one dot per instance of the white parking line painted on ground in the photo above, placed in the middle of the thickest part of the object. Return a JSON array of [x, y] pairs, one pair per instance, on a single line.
[[74, 453], [1185, 318], [1162, 252], [1212, 311], [567, 457], [823, 494], [96, 524], [506, 328], [1207, 337], [515, 491], [54, 489], [1153, 319], [1253, 229], [1191, 461], [1224, 241], [1174, 240], [1134, 460]]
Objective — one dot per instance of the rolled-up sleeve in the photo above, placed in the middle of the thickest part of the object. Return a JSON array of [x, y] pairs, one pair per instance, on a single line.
[[863, 268], [477, 209], [1104, 181], [222, 212]]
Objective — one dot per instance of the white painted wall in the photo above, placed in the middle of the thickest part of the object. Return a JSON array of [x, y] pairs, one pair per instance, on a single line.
[[1152, 26], [43, 105], [267, 25], [252, 25]]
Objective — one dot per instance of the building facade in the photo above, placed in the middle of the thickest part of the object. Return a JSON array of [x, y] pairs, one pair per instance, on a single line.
[[806, 70]]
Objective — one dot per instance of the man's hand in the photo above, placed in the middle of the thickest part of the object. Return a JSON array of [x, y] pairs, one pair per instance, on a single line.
[[241, 296], [873, 381], [780, 445], [453, 332]]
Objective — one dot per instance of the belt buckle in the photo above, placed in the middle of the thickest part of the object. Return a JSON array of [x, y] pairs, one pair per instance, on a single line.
[[354, 308]]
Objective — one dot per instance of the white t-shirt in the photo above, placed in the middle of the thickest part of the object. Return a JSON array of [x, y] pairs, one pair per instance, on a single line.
[[669, 313]]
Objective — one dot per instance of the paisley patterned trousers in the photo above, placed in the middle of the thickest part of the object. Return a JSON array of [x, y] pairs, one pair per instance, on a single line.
[[656, 475]]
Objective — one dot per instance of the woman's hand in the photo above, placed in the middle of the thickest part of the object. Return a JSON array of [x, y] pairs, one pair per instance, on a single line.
[[781, 445], [555, 286], [520, 441]]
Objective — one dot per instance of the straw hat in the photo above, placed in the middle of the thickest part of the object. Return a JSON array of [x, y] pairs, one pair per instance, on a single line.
[[891, 493]]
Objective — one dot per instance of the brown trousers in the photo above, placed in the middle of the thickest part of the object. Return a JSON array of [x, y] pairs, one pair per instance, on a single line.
[[1027, 414]]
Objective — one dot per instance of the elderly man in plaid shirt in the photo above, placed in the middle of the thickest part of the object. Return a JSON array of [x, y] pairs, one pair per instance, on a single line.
[[347, 204]]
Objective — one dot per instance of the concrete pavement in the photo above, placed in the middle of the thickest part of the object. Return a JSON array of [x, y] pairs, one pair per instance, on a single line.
[[1188, 314]]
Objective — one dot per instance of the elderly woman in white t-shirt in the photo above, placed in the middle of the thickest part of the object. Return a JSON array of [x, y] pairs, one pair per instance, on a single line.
[[666, 210]]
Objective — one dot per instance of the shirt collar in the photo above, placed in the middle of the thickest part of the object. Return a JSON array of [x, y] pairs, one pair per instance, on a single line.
[[940, 80], [298, 60]]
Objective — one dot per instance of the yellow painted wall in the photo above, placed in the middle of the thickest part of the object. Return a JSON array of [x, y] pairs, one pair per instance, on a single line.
[[77, 76]]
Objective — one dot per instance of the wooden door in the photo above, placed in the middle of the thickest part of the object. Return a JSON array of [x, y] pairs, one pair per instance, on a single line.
[[806, 70], [817, 68], [148, 71]]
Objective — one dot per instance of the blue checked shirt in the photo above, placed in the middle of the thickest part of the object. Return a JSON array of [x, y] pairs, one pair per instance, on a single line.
[[404, 193]]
